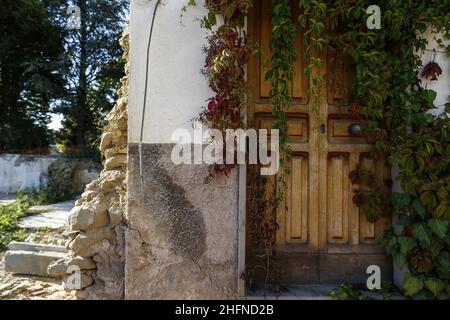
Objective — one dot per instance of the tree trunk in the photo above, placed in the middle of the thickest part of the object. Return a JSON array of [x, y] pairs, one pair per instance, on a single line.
[[82, 80]]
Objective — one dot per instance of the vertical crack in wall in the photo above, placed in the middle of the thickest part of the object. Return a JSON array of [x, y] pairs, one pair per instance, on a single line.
[[96, 237]]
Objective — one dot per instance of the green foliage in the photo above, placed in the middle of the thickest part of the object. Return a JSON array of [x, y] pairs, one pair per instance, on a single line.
[[93, 66], [347, 292], [30, 74], [280, 74], [9, 221], [355, 292], [46, 68], [227, 53], [313, 19], [11, 214], [396, 105], [49, 195], [412, 284]]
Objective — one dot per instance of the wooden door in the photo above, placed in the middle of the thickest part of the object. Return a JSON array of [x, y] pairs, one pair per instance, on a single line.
[[322, 237]]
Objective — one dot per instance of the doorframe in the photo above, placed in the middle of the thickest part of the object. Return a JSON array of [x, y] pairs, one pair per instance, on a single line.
[[241, 232], [319, 158]]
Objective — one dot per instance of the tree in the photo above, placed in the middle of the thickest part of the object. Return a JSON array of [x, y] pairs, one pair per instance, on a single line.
[[94, 65], [30, 60]]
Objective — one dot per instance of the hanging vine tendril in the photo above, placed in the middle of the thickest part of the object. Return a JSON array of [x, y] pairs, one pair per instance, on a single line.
[[280, 74]]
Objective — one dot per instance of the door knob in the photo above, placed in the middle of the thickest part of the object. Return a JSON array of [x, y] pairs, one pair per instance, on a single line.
[[355, 129]]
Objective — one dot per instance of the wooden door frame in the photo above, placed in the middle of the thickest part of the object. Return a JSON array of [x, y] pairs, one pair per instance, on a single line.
[[318, 158], [252, 27]]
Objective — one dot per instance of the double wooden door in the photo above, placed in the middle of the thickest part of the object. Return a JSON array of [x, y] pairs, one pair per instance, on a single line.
[[323, 236]]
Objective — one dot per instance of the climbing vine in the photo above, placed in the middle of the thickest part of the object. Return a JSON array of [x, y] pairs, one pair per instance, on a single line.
[[227, 54], [280, 74], [388, 93], [396, 105], [312, 17]]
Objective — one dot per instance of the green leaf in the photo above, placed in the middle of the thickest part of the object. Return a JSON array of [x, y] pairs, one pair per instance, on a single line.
[[411, 284], [407, 244], [435, 285], [420, 209], [400, 200], [409, 165], [404, 219], [439, 227], [444, 260], [421, 234], [399, 260], [229, 11], [436, 247], [212, 20], [429, 96]]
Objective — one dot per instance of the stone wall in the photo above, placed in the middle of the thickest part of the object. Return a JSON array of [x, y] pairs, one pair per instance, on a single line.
[[23, 172], [96, 235], [71, 176], [27, 172]]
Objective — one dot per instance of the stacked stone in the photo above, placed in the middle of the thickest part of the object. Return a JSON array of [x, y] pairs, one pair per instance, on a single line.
[[96, 226]]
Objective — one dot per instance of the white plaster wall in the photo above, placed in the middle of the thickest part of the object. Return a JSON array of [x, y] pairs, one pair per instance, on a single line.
[[22, 173], [177, 90], [442, 86]]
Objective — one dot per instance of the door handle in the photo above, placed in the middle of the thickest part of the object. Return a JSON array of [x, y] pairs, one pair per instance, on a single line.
[[355, 129], [322, 128]]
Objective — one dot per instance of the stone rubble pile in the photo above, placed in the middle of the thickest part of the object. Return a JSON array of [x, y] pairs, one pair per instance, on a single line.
[[96, 235]]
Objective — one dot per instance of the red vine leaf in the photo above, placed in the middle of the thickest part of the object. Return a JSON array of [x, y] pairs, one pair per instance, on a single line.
[[421, 260], [432, 70]]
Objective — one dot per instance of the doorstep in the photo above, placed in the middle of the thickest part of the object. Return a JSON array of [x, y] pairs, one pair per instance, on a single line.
[[296, 292], [313, 292]]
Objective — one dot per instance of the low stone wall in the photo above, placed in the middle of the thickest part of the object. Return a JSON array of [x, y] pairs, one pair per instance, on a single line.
[[72, 175], [96, 235], [22, 173]]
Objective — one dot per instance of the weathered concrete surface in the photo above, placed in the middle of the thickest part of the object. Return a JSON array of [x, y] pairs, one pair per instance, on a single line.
[[35, 247], [30, 262], [181, 240]]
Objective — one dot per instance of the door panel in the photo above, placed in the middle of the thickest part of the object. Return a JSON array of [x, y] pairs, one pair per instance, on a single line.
[[337, 198], [338, 77], [323, 236], [261, 35], [297, 202]]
